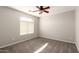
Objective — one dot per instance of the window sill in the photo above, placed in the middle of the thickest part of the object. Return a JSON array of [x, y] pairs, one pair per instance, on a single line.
[[25, 33]]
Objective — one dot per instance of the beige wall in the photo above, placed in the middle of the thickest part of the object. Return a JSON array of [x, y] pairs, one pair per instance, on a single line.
[[10, 26], [59, 27], [77, 28]]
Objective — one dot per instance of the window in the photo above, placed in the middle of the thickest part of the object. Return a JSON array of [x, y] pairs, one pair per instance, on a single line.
[[26, 25]]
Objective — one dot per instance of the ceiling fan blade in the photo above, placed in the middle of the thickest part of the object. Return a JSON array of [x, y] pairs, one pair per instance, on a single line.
[[41, 12], [38, 7], [35, 10], [46, 11], [47, 7]]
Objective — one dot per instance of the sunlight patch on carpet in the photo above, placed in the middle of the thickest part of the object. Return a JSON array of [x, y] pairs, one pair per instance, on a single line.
[[40, 49]]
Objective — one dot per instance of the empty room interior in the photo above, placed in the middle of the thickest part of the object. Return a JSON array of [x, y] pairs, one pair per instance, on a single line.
[[39, 29]]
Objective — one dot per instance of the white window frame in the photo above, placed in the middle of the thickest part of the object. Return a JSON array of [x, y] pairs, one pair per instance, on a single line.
[[28, 20]]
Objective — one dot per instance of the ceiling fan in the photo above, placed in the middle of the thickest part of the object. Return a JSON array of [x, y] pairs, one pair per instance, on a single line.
[[42, 9]]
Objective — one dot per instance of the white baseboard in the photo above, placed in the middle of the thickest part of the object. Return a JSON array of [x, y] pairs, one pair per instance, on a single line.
[[59, 40], [14, 43]]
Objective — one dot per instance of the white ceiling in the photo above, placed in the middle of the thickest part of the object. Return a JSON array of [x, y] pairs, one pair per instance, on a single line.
[[53, 10]]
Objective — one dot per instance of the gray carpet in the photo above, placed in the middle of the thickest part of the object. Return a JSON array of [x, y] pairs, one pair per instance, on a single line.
[[41, 45]]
